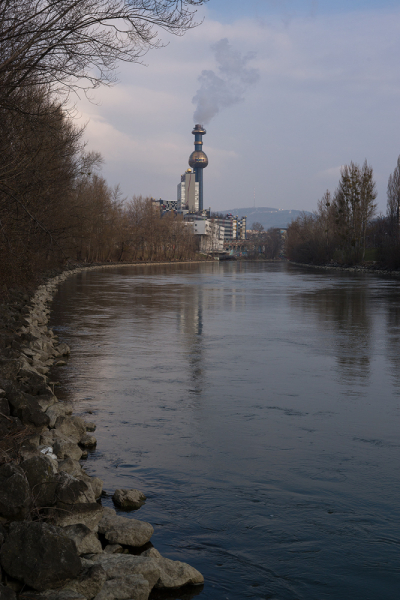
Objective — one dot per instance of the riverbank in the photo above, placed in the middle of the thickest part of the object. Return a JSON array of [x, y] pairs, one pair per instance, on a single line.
[[378, 270], [49, 507]]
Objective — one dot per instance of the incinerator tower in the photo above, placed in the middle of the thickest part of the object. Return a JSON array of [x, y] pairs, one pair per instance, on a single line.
[[198, 159]]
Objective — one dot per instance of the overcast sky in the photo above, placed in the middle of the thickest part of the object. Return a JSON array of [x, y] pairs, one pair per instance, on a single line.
[[291, 90]]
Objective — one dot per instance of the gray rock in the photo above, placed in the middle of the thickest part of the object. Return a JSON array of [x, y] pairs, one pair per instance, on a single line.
[[74, 468], [33, 414], [71, 427], [113, 549], [7, 593], [61, 409], [47, 400], [40, 555], [71, 490], [173, 573], [88, 514], [86, 542], [53, 595], [121, 566], [47, 438], [41, 478], [88, 441], [71, 466], [90, 581], [4, 406], [97, 486], [128, 499], [90, 426], [65, 447], [120, 530], [15, 494], [63, 349], [133, 586], [27, 408], [27, 450], [3, 535]]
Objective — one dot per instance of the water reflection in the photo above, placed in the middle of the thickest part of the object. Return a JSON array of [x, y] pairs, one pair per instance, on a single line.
[[393, 339], [342, 312], [219, 392], [190, 326]]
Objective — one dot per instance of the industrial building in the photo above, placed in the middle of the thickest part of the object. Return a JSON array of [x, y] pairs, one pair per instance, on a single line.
[[213, 230]]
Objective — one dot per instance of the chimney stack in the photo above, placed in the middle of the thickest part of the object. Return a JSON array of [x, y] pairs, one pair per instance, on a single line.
[[198, 159]]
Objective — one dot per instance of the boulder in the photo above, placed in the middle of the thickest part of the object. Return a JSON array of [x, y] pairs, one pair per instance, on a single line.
[[97, 486], [61, 409], [71, 427], [3, 534], [32, 414], [71, 466], [128, 499], [88, 441], [71, 490], [90, 582], [86, 542], [28, 373], [4, 406], [113, 549], [173, 573], [46, 401], [46, 438], [27, 408], [15, 495], [65, 447], [90, 426], [74, 468], [120, 530], [121, 566], [63, 349], [40, 555], [42, 480], [64, 594], [132, 586], [88, 514], [7, 593], [9, 368]]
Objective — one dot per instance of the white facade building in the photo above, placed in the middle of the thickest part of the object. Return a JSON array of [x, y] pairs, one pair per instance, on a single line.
[[188, 192], [211, 234]]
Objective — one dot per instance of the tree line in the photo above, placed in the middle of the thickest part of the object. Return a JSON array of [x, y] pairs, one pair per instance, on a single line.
[[263, 243], [345, 229], [54, 203]]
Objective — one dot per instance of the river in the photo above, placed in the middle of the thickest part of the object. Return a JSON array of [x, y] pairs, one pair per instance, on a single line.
[[257, 405]]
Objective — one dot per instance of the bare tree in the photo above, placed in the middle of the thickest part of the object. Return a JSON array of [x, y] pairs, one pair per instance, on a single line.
[[77, 43], [393, 199]]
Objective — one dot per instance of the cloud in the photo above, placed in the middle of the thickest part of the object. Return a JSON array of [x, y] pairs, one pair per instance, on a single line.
[[217, 92], [328, 92]]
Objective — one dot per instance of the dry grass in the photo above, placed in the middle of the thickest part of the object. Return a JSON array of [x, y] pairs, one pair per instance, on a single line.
[[11, 443]]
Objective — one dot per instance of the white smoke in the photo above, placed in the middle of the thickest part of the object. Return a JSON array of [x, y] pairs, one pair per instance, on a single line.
[[228, 87]]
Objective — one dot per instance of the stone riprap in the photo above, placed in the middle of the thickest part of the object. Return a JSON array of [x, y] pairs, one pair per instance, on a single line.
[[129, 499], [56, 540]]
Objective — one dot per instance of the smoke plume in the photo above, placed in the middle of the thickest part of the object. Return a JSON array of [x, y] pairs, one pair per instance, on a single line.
[[218, 91]]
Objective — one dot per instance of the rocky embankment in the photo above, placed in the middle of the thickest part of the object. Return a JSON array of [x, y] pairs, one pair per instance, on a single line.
[[57, 542]]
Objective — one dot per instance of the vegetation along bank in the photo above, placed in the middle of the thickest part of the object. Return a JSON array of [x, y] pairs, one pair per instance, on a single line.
[[345, 230], [57, 542]]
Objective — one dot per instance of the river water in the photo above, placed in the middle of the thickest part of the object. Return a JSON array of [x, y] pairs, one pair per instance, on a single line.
[[257, 406]]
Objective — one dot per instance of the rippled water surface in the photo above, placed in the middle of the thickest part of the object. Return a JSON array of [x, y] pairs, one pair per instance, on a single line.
[[258, 407]]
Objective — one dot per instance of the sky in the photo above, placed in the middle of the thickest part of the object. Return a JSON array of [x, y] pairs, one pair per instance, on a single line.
[[288, 91]]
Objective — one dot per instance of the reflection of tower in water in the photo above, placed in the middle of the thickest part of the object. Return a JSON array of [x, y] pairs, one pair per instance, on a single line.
[[190, 325]]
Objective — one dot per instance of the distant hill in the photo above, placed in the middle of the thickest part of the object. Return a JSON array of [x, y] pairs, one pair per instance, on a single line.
[[267, 216]]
